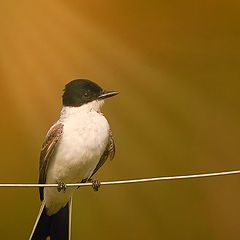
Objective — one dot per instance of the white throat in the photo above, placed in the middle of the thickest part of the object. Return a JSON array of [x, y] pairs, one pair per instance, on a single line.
[[94, 106]]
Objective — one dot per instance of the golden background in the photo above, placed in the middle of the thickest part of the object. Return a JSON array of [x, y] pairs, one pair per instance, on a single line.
[[177, 67]]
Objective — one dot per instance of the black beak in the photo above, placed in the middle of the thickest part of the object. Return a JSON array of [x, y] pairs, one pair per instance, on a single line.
[[107, 94]]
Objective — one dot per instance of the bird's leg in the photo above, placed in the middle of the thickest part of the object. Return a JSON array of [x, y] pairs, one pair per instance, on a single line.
[[61, 186], [96, 184]]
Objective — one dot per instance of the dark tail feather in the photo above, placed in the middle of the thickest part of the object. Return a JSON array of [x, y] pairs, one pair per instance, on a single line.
[[56, 226], [59, 225]]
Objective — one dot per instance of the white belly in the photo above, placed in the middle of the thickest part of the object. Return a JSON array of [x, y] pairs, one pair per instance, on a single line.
[[82, 144]]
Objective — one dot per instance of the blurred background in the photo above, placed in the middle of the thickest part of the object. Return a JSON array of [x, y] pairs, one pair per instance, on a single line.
[[177, 67]]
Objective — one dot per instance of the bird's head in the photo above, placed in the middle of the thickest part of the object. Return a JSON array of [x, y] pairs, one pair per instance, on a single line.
[[81, 91]]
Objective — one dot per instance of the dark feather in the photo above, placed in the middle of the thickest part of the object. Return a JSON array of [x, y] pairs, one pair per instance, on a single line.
[[108, 153], [55, 226], [47, 151]]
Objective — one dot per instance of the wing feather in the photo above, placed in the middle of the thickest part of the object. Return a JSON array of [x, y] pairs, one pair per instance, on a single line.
[[48, 148], [108, 153]]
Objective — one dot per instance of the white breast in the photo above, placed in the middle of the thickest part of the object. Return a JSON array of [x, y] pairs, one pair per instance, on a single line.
[[85, 137]]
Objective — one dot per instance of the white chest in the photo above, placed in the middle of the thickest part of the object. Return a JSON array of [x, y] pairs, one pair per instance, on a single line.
[[85, 137]]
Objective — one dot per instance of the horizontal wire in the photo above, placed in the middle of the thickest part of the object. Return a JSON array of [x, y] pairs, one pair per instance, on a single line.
[[142, 180]]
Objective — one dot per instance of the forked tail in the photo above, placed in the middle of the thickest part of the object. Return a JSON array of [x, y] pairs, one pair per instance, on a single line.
[[57, 226]]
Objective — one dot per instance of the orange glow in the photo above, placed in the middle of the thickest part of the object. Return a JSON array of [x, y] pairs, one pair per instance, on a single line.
[[176, 66]]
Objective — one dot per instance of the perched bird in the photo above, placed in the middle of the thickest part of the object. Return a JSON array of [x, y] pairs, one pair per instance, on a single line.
[[75, 147]]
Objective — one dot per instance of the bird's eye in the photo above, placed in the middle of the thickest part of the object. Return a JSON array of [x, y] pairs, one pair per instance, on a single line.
[[86, 94]]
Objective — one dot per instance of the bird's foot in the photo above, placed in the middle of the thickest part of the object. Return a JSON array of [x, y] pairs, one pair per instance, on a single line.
[[96, 184], [61, 187]]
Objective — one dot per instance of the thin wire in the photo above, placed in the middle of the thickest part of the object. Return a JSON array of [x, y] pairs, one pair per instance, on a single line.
[[142, 180], [70, 219]]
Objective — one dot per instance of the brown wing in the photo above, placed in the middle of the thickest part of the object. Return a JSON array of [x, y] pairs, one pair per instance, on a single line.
[[109, 152], [48, 148]]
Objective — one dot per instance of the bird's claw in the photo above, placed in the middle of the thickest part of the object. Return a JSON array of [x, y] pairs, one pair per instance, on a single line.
[[61, 187], [96, 184]]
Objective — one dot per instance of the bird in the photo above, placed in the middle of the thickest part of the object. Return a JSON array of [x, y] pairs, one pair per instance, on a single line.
[[74, 149]]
